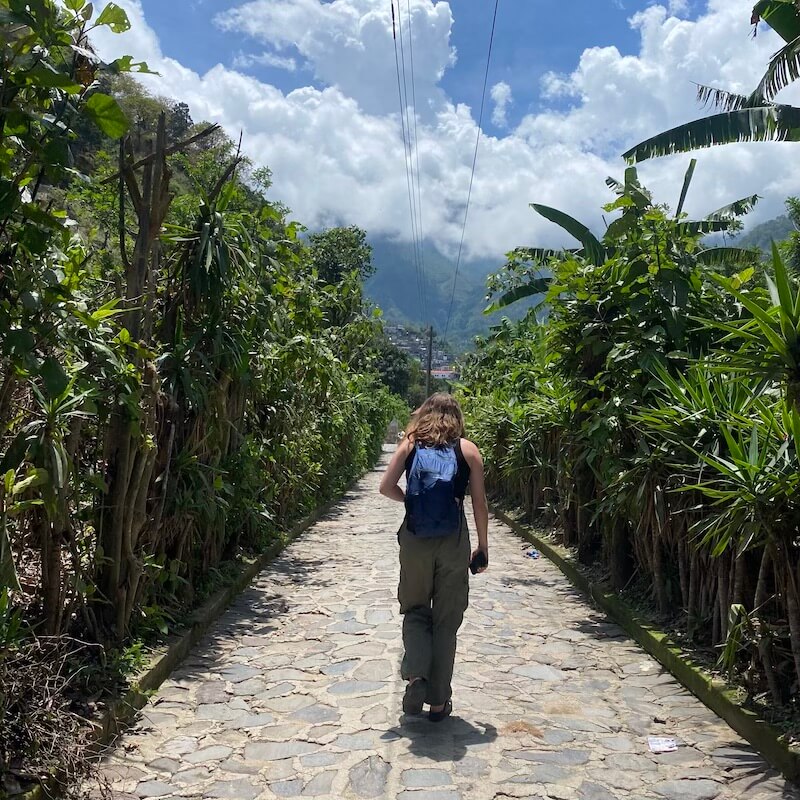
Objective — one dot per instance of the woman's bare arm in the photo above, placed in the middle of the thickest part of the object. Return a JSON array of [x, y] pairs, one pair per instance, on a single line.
[[477, 490], [389, 486]]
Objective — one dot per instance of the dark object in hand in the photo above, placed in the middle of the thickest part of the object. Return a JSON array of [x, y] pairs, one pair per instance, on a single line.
[[478, 562]]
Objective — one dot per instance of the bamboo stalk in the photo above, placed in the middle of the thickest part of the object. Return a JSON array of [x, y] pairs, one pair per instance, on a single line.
[[792, 613], [722, 570]]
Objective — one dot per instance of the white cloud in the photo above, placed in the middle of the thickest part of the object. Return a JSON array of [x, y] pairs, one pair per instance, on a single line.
[[349, 43], [337, 152], [501, 94], [678, 7], [265, 59]]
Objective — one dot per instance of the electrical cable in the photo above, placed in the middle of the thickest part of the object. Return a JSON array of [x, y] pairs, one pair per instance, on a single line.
[[406, 158], [420, 228], [474, 162], [415, 210]]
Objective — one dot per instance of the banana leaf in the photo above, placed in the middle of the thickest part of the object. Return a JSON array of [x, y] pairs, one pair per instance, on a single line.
[[538, 286], [776, 123], [738, 208], [694, 227], [720, 256], [783, 69], [721, 99], [781, 15], [687, 181], [595, 251], [538, 254]]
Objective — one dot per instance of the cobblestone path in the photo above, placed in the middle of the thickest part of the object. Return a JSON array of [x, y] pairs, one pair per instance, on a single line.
[[296, 692]]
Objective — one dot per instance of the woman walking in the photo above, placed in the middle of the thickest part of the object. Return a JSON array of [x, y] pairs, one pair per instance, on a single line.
[[434, 546]]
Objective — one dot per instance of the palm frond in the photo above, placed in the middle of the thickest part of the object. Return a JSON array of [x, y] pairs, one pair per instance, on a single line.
[[738, 208], [763, 124], [720, 99], [783, 69]]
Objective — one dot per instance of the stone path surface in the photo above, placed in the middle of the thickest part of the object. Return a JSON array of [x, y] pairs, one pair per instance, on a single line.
[[296, 692]]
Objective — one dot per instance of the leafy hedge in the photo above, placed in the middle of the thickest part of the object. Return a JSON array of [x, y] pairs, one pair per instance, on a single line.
[[181, 375], [651, 410]]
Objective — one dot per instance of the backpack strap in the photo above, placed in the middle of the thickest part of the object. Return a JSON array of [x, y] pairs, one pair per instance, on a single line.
[[410, 458], [462, 476]]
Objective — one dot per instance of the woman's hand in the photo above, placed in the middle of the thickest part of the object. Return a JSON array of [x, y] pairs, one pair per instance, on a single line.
[[485, 551]]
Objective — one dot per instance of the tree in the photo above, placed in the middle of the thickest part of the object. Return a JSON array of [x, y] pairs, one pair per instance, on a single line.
[[338, 251], [393, 365], [180, 121], [743, 118], [792, 245]]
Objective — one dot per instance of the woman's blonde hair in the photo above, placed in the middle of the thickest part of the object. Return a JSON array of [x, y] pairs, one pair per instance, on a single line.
[[437, 422]]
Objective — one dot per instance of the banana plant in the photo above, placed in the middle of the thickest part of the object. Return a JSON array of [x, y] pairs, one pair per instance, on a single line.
[[529, 270], [742, 118]]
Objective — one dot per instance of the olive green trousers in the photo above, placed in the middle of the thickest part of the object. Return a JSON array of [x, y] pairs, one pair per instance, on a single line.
[[433, 595]]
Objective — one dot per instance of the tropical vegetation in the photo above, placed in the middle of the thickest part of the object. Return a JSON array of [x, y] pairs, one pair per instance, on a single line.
[[652, 409], [654, 417], [183, 374]]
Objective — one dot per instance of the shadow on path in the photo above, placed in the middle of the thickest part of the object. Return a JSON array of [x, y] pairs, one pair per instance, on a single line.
[[444, 741], [258, 611]]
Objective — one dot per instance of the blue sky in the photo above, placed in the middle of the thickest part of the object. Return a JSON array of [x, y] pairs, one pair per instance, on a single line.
[[533, 37], [583, 80]]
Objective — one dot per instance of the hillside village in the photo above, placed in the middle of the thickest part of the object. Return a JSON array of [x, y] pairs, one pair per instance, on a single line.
[[414, 342]]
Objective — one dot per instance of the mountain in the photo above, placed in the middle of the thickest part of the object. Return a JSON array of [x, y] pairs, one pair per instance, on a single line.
[[762, 236], [394, 288]]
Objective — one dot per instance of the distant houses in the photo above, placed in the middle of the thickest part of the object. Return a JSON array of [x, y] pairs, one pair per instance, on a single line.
[[415, 343], [447, 374]]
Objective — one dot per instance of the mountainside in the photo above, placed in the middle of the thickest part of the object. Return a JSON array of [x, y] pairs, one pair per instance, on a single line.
[[762, 236], [393, 287]]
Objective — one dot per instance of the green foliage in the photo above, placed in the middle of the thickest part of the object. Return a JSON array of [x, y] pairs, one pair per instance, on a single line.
[[181, 376], [173, 395], [50, 81], [791, 246], [11, 625], [653, 411], [338, 252], [394, 366]]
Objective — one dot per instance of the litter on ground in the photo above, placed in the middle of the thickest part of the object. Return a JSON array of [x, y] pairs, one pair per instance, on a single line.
[[662, 744]]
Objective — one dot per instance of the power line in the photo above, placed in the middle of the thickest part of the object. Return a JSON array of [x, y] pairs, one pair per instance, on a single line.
[[415, 194], [474, 162], [420, 228], [406, 158]]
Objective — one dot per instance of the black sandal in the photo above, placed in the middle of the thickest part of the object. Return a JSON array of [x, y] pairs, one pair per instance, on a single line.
[[438, 716], [414, 697]]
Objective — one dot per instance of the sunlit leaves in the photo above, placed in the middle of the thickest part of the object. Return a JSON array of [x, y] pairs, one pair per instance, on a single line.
[[114, 18], [763, 124], [106, 113]]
